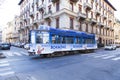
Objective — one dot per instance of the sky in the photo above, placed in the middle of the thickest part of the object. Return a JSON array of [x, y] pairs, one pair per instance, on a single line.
[[116, 4], [9, 8]]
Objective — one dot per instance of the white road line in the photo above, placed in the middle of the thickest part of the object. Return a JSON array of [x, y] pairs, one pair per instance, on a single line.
[[24, 53], [7, 73], [101, 55], [16, 53], [8, 54], [5, 69], [115, 59], [107, 57], [3, 65], [1, 62]]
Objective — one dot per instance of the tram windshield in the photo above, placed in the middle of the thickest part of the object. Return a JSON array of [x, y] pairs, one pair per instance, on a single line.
[[42, 37]]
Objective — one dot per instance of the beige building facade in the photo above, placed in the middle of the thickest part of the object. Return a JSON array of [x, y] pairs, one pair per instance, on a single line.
[[117, 32], [10, 32], [91, 16]]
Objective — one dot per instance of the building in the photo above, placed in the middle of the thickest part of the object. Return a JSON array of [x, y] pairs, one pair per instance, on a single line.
[[11, 31], [117, 32], [92, 16], [1, 36]]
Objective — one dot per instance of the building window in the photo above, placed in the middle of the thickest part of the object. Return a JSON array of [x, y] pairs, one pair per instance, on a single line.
[[71, 6], [80, 8], [49, 23], [57, 22], [71, 23], [57, 6], [42, 1], [49, 8]]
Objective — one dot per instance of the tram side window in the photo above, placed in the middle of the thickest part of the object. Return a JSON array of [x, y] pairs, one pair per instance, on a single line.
[[56, 39], [88, 41], [78, 40], [39, 38], [45, 38], [67, 40]]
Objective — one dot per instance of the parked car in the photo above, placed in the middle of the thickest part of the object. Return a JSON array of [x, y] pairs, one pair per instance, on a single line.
[[110, 47], [27, 46], [5, 46]]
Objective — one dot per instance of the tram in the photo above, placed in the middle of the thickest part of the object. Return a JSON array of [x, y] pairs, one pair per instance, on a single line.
[[47, 40]]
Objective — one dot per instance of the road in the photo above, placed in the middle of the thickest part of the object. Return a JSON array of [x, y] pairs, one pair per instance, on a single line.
[[100, 65]]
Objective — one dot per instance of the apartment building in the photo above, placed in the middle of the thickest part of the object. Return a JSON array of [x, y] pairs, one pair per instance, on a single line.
[[11, 31], [91, 16], [117, 32]]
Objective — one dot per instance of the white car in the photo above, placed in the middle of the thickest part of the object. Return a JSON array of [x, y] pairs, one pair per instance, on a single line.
[[27, 46], [110, 47]]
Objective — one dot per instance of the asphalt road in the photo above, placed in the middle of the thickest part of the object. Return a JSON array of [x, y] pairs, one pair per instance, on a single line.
[[100, 65]]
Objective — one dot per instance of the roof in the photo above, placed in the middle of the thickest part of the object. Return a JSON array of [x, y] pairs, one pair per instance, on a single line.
[[110, 4], [63, 32], [20, 2]]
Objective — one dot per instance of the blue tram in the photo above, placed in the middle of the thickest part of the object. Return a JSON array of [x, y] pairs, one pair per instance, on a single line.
[[48, 40]]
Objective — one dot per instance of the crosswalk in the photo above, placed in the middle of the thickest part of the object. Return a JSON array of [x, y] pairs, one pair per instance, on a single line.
[[5, 69], [111, 56], [10, 53]]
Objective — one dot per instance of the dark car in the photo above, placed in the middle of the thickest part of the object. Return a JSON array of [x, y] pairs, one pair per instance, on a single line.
[[5, 46]]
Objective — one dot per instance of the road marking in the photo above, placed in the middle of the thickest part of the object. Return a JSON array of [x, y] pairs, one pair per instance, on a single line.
[[101, 55], [1, 62], [107, 57], [5, 69], [16, 53], [115, 59], [7, 73], [3, 65], [9, 54], [24, 53]]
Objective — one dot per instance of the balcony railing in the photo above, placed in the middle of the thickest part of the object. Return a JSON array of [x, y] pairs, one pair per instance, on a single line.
[[97, 12], [74, 0], [41, 7], [54, 1], [100, 24], [87, 6], [48, 15], [81, 16], [104, 16], [107, 27], [93, 21], [110, 19], [31, 14]]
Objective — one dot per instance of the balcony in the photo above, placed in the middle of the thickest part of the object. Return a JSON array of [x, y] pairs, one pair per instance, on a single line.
[[36, 22], [41, 7], [74, 0], [110, 19], [100, 24], [81, 16], [54, 1], [25, 19], [48, 15], [31, 14], [104, 16], [111, 28], [93, 21], [37, 1], [107, 27], [97, 12], [87, 6], [87, 20]]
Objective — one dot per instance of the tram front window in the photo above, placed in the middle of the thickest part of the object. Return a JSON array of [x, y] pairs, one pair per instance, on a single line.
[[42, 37]]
